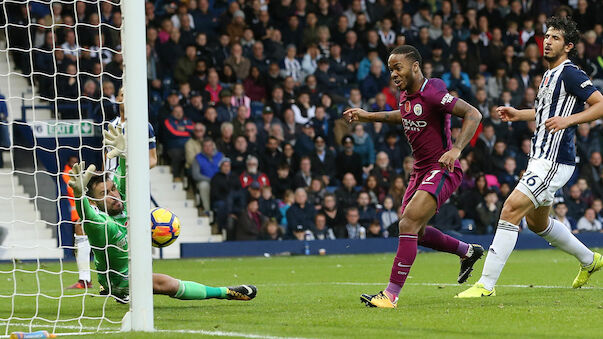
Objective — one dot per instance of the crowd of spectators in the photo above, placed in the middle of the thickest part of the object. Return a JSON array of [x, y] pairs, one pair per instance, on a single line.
[[246, 99]]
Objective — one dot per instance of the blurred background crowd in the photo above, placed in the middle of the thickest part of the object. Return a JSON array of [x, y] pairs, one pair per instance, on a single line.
[[246, 96]]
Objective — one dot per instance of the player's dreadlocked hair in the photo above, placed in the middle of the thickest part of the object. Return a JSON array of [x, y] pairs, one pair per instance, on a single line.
[[409, 52], [569, 29]]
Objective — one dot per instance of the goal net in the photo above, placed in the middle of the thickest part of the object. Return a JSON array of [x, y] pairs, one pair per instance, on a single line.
[[61, 66]]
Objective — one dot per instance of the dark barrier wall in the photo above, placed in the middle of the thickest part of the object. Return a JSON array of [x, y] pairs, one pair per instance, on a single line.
[[346, 246]]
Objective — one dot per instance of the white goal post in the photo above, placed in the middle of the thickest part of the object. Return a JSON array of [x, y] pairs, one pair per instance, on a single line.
[[139, 192], [34, 278]]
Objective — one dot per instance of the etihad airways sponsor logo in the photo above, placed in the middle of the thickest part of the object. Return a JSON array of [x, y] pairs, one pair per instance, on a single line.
[[446, 99], [413, 125]]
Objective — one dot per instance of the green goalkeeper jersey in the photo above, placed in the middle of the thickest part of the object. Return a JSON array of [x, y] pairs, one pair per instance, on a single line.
[[108, 236]]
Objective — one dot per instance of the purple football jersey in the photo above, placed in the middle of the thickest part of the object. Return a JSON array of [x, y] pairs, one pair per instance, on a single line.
[[426, 121]]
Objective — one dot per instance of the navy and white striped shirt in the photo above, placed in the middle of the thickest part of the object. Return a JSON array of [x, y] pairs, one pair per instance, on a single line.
[[111, 164], [562, 92]]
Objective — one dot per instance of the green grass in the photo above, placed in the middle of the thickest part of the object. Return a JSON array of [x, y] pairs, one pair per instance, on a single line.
[[317, 297]]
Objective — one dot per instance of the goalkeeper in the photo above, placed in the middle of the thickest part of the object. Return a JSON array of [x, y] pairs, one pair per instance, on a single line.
[[105, 219]]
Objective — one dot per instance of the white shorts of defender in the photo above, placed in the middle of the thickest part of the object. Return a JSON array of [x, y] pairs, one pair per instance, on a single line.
[[542, 179]]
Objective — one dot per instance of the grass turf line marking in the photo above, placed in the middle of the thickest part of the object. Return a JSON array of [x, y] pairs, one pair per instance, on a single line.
[[66, 327], [68, 334], [428, 284], [227, 334], [113, 330]]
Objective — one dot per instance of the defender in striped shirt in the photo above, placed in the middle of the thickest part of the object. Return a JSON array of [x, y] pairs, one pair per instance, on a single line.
[[559, 109], [120, 121]]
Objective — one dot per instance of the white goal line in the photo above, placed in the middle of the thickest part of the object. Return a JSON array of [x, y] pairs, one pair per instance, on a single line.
[[113, 331]]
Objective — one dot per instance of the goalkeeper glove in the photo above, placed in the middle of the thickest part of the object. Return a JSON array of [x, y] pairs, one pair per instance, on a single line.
[[115, 138], [79, 180]]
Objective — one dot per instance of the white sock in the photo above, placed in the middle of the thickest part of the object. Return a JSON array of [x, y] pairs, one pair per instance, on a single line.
[[559, 236], [82, 256], [500, 250]]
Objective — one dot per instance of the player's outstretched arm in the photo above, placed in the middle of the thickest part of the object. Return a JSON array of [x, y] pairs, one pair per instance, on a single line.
[[594, 112], [359, 115], [471, 119], [80, 176], [510, 114], [116, 139]]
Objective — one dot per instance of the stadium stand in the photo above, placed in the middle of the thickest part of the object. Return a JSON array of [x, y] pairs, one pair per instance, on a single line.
[[267, 82]]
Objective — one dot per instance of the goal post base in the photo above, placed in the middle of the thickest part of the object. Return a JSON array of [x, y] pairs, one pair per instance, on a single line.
[[126, 322]]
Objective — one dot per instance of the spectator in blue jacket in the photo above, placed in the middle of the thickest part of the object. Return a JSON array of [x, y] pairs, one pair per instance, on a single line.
[[561, 210], [375, 81], [458, 80], [205, 166], [300, 213], [509, 174], [363, 145], [304, 145], [364, 67], [366, 211], [327, 80], [178, 129]]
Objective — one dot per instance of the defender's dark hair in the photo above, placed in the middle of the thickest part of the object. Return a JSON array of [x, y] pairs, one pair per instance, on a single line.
[[569, 29], [409, 52]]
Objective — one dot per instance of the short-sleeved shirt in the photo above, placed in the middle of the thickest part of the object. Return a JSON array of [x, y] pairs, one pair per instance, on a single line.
[[562, 92], [426, 122]]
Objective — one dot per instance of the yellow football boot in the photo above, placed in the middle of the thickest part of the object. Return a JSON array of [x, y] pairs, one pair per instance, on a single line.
[[586, 271], [476, 291], [241, 292], [380, 300]]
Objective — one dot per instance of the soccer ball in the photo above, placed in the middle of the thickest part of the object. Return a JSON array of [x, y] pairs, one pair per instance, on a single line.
[[165, 227]]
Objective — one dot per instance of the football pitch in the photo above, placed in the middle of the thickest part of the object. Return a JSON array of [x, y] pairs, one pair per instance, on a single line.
[[318, 297]]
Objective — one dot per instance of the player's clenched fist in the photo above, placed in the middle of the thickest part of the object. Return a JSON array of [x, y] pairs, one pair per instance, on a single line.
[[80, 176], [353, 114], [507, 113]]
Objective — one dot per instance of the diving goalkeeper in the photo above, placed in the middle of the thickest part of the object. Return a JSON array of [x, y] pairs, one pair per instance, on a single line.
[[104, 216]]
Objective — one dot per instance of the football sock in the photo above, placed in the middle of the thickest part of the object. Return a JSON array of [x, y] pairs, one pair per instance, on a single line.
[[190, 290], [559, 236], [435, 239], [82, 257], [500, 250], [405, 257]]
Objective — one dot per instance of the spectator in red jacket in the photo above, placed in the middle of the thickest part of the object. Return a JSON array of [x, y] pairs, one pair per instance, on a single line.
[[178, 130], [251, 174]]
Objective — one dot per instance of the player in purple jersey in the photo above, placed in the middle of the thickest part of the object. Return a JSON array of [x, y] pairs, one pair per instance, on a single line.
[[424, 110]]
